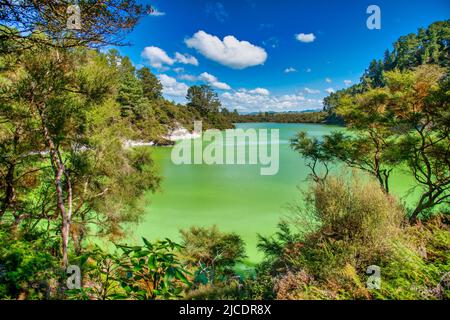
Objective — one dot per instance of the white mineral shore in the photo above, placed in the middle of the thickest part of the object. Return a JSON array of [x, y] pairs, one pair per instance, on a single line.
[[181, 134], [131, 143], [177, 134]]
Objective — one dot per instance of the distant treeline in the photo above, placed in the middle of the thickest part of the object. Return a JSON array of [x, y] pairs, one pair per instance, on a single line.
[[290, 117]]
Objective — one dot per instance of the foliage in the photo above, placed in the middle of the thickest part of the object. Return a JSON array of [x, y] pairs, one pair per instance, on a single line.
[[428, 46], [403, 123], [147, 272], [153, 271], [211, 253], [104, 22], [359, 226], [206, 102], [288, 117], [28, 269]]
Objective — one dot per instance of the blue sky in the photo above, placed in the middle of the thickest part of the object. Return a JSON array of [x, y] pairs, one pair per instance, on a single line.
[[277, 55]]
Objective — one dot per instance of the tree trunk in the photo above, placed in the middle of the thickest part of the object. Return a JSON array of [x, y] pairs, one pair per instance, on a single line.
[[427, 201], [10, 192], [59, 170]]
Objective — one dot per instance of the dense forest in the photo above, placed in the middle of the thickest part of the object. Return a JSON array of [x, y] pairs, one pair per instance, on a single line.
[[284, 117], [428, 46], [67, 110]]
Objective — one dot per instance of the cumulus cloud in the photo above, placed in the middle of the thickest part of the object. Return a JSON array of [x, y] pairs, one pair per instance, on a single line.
[[257, 91], [347, 82], [251, 101], [330, 90], [213, 81], [229, 52], [328, 80], [305, 37], [172, 87], [289, 70], [311, 91], [157, 57], [186, 59]]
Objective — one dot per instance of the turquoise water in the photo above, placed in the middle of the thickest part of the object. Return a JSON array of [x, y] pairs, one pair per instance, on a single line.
[[236, 198]]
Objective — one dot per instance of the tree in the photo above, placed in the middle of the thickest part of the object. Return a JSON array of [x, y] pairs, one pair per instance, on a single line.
[[419, 108], [60, 121], [373, 76], [130, 93], [204, 99], [315, 153], [48, 86], [411, 123], [103, 22], [405, 122], [151, 86], [212, 252]]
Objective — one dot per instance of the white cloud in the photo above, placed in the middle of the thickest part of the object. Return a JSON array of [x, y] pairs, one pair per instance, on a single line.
[[250, 101], [213, 81], [186, 59], [311, 91], [156, 57], [347, 82], [172, 87], [289, 70], [328, 80], [178, 69], [330, 90], [308, 70], [259, 91], [230, 52], [305, 37]]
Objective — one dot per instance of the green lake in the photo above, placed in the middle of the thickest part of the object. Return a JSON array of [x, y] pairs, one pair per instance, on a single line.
[[236, 198]]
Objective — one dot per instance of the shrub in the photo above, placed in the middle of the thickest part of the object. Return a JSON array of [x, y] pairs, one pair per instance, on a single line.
[[356, 225], [211, 254], [28, 270]]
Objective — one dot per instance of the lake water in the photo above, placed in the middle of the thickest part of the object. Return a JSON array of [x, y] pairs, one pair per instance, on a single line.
[[236, 198]]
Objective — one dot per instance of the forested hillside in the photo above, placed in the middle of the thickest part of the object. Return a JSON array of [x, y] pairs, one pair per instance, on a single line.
[[427, 46]]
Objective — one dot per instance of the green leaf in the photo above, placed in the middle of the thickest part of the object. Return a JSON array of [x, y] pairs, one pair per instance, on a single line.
[[147, 243], [152, 262]]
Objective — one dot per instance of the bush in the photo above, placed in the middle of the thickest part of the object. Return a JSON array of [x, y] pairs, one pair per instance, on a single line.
[[147, 272], [28, 270], [355, 225], [211, 254]]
